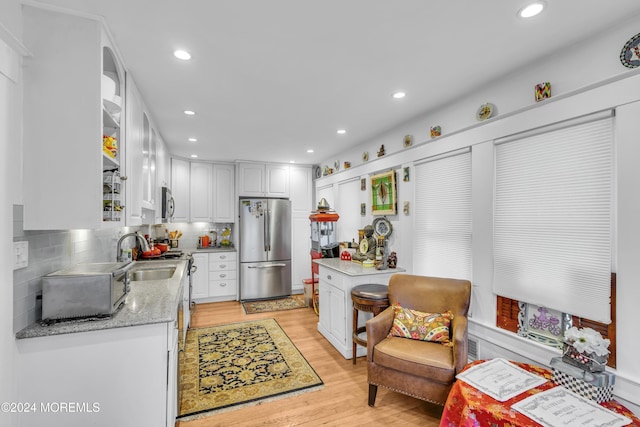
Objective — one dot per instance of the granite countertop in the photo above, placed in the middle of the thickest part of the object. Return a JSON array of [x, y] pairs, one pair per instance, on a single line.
[[351, 268], [148, 301]]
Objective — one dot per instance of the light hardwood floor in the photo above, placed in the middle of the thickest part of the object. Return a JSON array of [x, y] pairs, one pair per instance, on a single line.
[[343, 399]]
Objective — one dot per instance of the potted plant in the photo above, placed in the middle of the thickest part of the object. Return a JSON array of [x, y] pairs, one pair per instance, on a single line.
[[586, 349]]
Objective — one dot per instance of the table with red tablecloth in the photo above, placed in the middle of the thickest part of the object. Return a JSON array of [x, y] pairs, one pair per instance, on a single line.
[[468, 407]]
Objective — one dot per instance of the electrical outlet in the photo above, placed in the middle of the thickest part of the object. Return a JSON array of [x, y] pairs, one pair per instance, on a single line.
[[20, 255]]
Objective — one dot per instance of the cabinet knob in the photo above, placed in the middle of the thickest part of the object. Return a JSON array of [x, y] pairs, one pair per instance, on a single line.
[[223, 257], [223, 266], [328, 276], [222, 276], [223, 284], [123, 178]]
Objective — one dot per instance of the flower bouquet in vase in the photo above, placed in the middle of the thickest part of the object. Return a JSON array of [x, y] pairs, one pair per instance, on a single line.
[[586, 349]]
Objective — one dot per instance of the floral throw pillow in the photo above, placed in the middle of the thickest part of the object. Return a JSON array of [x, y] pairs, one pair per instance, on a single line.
[[418, 325]]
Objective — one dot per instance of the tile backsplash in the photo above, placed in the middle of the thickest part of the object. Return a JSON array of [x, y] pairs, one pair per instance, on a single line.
[[53, 250]]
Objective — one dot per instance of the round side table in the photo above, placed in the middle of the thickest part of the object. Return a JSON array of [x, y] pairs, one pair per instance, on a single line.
[[369, 298]]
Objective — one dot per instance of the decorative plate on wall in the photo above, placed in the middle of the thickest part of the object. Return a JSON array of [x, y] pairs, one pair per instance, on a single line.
[[382, 227], [630, 54], [317, 171], [408, 141], [485, 111]]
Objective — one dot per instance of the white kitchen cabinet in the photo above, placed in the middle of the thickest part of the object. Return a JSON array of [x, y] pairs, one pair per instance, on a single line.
[[119, 376], [180, 189], [65, 120], [336, 279], [224, 193], [263, 180], [201, 192], [134, 135], [163, 173], [200, 279], [301, 206], [216, 277], [223, 283]]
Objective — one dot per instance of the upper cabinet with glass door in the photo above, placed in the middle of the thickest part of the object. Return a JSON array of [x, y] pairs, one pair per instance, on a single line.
[[73, 117]]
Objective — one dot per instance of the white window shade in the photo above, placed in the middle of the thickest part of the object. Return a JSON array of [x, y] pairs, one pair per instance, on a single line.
[[552, 219], [443, 217]]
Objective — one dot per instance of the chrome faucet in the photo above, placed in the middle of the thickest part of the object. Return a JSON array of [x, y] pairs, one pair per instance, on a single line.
[[137, 235]]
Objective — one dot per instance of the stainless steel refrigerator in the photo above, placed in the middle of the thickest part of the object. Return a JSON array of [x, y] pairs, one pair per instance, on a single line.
[[265, 248]]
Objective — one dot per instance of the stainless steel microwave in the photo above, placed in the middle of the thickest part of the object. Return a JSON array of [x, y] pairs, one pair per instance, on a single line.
[[168, 206]]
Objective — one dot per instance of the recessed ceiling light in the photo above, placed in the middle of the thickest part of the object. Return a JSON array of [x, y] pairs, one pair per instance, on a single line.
[[399, 95], [193, 156], [309, 150], [193, 139], [341, 131], [531, 10], [182, 54], [292, 161], [190, 113]]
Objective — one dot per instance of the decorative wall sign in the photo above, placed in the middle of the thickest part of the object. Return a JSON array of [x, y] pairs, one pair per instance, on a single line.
[[542, 91], [363, 184], [383, 194], [405, 174], [363, 209], [630, 54], [543, 324]]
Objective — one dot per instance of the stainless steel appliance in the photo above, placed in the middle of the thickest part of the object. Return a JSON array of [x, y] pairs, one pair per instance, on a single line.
[[265, 248], [85, 290], [168, 206]]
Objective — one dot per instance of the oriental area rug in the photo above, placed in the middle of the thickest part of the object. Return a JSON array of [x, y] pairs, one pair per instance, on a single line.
[[239, 364], [264, 306]]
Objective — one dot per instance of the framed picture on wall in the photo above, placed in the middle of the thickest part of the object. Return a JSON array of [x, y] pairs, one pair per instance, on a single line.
[[383, 193]]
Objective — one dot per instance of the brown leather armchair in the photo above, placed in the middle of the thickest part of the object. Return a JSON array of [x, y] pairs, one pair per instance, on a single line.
[[421, 369]]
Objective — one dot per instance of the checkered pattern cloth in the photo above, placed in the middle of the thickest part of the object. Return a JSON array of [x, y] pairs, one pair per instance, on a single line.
[[576, 385]]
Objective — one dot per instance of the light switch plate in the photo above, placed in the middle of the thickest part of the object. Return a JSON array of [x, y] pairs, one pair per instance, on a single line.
[[20, 255]]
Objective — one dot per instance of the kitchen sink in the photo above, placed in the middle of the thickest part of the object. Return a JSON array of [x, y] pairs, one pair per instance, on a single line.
[[152, 273]]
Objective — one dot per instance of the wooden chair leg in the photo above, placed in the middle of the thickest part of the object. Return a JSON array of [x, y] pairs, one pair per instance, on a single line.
[[373, 390]]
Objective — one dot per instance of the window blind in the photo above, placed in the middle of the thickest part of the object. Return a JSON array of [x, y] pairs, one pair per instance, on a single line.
[[443, 216], [552, 219]]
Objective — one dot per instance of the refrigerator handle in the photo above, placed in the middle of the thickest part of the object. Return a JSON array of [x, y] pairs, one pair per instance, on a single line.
[[267, 266], [267, 230]]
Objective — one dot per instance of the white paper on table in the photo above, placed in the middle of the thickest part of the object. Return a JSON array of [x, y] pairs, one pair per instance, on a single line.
[[559, 407], [500, 379]]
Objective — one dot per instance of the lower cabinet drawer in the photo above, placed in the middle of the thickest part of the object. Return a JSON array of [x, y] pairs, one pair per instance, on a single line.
[[222, 275], [222, 265], [222, 287]]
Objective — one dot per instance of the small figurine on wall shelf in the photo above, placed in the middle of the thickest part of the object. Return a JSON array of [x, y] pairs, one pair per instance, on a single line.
[[392, 262], [381, 151]]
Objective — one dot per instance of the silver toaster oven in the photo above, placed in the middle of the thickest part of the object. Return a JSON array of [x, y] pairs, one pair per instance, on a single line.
[[85, 290]]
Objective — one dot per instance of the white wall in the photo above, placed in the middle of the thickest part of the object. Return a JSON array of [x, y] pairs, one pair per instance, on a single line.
[[10, 136], [586, 79]]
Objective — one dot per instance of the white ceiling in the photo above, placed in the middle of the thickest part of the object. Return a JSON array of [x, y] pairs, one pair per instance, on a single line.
[[270, 79]]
